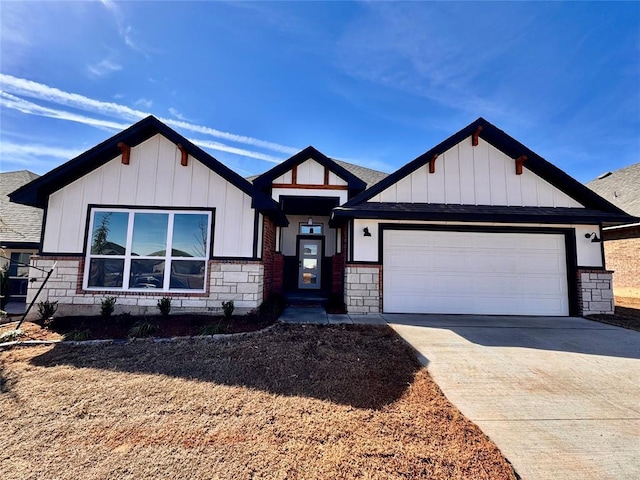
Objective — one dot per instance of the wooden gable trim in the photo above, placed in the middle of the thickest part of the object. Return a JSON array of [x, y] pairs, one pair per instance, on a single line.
[[294, 175], [475, 136], [519, 161], [303, 186], [432, 163], [184, 158], [326, 175], [126, 152]]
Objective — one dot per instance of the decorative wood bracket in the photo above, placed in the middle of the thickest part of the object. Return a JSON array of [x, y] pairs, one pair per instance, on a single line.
[[475, 136], [519, 161], [126, 152], [432, 164], [184, 160]]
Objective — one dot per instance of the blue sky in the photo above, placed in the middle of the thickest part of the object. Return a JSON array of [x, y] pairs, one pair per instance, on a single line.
[[371, 83]]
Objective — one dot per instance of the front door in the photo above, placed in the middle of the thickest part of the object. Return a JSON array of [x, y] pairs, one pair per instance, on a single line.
[[309, 263]]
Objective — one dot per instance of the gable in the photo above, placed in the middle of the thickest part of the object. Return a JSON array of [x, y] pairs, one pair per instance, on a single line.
[[153, 178], [309, 172], [475, 175]]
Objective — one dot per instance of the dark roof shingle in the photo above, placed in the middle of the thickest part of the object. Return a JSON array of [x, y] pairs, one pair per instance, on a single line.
[[18, 223], [621, 187]]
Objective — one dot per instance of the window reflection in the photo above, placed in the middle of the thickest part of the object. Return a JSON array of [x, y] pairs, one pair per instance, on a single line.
[[150, 234], [146, 274], [109, 235], [190, 234]]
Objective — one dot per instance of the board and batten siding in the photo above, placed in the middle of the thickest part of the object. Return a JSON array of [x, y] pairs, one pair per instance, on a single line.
[[365, 249], [154, 178], [480, 175]]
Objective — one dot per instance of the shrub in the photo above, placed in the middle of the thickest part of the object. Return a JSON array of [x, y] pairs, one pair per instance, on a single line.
[[164, 305], [77, 335], [227, 308], [107, 307], [47, 310], [143, 328]]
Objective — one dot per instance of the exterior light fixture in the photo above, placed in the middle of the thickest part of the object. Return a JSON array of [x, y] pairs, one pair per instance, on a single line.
[[310, 221], [594, 238], [367, 233]]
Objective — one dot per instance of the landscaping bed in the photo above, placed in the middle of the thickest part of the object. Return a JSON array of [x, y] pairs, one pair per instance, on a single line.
[[295, 401], [129, 326]]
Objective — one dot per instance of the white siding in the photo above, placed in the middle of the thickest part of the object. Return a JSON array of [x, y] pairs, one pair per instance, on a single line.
[[154, 177], [365, 249], [286, 178], [480, 175], [310, 172], [336, 180]]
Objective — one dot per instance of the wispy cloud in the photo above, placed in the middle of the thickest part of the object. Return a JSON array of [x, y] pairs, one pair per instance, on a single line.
[[20, 150], [177, 114], [11, 101], [237, 151], [103, 68], [27, 88], [144, 103]]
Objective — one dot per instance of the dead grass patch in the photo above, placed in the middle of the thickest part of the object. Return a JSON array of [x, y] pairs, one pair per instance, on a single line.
[[627, 314], [295, 402]]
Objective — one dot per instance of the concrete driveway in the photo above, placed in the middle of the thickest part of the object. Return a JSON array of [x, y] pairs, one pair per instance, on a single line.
[[559, 396]]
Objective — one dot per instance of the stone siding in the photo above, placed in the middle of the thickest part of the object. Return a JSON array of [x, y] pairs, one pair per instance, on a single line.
[[237, 280], [595, 292], [363, 292]]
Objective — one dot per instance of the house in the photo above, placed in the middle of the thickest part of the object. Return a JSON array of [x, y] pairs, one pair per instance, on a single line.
[[622, 242], [478, 224], [20, 227]]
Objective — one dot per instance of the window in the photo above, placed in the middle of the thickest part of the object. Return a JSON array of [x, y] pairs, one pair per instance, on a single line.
[[147, 249], [306, 229]]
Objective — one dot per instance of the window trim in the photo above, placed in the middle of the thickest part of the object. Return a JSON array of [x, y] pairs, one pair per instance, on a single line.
[[168, 258]]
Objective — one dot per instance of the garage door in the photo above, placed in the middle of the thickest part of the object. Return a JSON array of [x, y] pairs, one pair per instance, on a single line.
[[474, 272]]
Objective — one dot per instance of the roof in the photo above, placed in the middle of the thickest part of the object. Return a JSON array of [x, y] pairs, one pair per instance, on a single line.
[[476, 213], [514, 149], [367, 175], [354, 183], [18, 223], [37, 192], [620, 187]]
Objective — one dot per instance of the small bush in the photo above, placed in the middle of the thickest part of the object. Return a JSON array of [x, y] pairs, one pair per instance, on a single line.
[[107, 307], [213, 329], [164, 305], [78, 335], [227, 308], [10, 335], [47, 310], [143, 328]]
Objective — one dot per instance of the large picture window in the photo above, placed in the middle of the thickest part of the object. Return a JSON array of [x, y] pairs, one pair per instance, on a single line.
[[147, 249]]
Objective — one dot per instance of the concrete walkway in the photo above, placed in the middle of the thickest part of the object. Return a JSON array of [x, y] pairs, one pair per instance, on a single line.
[[318, 316], [559, 396]]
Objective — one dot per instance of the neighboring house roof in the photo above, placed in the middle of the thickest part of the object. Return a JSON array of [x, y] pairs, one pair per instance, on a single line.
[[368, 175], [19, 224], [355, 184], [37, 192], [620, 187], [509, 146]]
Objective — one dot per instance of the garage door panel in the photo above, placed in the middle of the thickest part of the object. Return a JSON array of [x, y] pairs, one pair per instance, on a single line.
[[474, 272]]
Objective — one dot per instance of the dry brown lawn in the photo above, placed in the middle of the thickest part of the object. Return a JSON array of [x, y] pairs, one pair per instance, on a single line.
[[294, 402], [627, 312]]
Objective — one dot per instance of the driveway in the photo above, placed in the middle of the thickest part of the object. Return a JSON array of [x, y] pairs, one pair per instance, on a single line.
[[559, 396]]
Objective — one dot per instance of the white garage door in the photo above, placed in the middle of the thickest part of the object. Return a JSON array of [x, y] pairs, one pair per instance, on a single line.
[[474, 272]]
